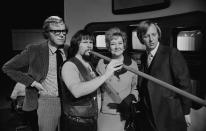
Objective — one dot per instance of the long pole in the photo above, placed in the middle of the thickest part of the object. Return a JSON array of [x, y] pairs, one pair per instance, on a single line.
[[162, 83]]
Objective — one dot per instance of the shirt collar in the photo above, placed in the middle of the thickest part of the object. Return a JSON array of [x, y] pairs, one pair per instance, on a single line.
[[53, 49]]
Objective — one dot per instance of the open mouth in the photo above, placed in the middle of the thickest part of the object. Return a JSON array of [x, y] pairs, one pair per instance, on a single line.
[[88, 52]]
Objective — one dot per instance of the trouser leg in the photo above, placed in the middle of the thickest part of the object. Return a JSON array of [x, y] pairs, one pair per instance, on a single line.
[[31, 119], [49, 111]]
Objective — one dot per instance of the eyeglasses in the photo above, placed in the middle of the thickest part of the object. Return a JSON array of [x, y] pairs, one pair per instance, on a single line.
[[58, 32]]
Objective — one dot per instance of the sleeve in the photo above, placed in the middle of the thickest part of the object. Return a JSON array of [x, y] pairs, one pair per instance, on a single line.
[[126, 103], [182, 78], [134, 82], [13, 67], [19, 90], [100, 68]]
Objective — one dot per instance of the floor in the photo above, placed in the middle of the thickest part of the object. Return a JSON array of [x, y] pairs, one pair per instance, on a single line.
[[9, 119]]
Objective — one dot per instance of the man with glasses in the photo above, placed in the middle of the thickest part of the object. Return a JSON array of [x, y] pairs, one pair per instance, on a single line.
[[42, 103]]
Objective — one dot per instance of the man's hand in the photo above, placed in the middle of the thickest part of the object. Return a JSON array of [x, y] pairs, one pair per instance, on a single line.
[[188, 120], [38, 86], [136, 94], [113, 66]]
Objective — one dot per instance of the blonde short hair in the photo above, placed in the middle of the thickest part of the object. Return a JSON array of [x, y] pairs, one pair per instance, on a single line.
[[51, 20], [143, 27], [111, 33]]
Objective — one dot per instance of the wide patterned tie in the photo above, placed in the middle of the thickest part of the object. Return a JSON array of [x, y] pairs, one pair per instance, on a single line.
[[59, 60], [149, 59]]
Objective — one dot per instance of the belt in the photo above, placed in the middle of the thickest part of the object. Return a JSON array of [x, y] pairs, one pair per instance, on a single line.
[[80, 119]]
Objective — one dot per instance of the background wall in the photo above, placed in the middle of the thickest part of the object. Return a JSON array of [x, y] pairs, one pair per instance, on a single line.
[[79, 13]]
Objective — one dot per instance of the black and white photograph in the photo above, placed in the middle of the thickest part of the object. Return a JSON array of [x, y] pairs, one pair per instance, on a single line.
[[103, 65]]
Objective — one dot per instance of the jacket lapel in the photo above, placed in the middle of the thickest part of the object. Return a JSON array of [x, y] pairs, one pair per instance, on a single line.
[[156, 60], [44, 56], [66, 50]]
